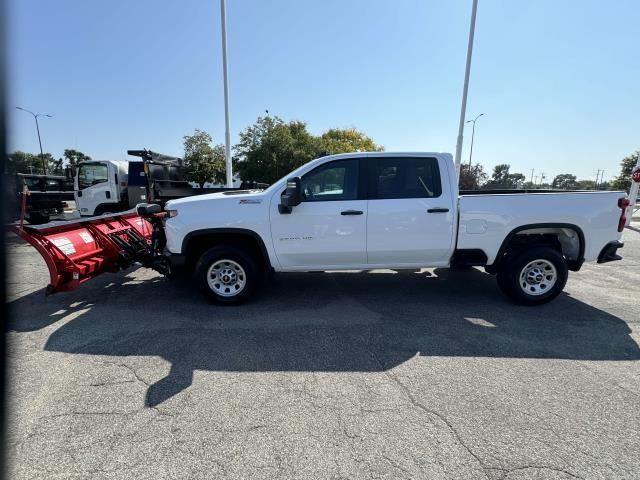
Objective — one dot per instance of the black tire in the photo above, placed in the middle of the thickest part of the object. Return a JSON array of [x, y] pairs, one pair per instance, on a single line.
[[519, 289], [227, 258]]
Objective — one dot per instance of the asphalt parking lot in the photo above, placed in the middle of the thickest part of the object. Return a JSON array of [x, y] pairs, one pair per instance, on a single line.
[[341, 375]]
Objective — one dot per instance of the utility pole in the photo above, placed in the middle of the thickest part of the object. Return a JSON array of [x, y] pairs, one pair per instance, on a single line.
[[531, 180], [595, 187], [227, 134], [465, 89], [35, 116]]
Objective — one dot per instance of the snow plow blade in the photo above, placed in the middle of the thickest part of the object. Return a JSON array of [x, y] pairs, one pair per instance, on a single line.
[[78, 250]]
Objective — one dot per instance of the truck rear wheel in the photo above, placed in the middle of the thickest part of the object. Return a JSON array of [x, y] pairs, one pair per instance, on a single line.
[[534, 276], [227, 275]]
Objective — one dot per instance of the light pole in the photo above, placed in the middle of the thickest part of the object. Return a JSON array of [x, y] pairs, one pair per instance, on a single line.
[[35, 116], [227, 134], [473, 132], [465, 88]]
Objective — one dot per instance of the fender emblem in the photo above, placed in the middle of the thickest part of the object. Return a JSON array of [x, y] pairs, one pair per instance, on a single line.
[[250, 201], [286, 239]]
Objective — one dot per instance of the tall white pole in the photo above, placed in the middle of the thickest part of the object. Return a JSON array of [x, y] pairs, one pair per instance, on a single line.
[[463, 109], [227, 134]]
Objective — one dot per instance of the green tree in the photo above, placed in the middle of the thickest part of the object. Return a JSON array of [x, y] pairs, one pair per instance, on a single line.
[[73, 157], [203, 162], [585, 185], [271, 148], [471, 179], [23, 162], [55, 166], [502, 178], [336, 140], [564, 181], [623, 181]]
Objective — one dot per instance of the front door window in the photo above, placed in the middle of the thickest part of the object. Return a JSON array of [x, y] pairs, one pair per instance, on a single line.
[[332, 181]]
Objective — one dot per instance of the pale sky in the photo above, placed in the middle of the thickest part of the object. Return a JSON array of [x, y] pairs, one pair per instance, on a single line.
[[557, 81]]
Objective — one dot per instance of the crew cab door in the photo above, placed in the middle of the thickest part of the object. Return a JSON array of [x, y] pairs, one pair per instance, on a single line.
[[328, 229], [94, 186], [410, 215]]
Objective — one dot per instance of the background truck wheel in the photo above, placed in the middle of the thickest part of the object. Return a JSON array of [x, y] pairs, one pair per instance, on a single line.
[[534, 276], [227, 275]]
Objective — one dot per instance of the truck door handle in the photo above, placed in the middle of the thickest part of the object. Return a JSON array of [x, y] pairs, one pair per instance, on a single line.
[[438, 210], [351, 212]]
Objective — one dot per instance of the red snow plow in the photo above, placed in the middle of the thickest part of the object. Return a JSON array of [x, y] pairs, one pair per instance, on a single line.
[[78, 250]]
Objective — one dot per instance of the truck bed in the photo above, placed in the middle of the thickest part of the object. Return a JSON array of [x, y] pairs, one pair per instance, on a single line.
[[488, 217]]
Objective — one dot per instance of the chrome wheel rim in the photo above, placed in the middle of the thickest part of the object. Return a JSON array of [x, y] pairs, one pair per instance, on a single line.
[[538, 277], [226, 278]]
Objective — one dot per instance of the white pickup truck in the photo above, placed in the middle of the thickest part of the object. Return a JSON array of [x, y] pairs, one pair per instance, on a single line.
[[365, 211]]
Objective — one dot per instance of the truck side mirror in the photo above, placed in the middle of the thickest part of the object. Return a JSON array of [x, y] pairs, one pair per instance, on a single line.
[[291, 197], [147, 209]]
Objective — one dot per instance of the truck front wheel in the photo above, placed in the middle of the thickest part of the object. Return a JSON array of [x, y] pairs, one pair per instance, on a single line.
[[534, 276], [227, 275]]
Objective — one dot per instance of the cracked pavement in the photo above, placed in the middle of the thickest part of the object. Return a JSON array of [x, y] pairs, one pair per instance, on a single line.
[[387, 375]]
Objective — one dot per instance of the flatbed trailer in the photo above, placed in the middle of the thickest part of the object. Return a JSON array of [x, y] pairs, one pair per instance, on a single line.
[[38, 198]]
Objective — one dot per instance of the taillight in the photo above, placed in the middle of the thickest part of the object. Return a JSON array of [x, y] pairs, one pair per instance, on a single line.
[[623, 204]]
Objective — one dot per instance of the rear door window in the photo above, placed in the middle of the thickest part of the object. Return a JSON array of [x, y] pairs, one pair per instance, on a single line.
[[33, 183], [408, 177]]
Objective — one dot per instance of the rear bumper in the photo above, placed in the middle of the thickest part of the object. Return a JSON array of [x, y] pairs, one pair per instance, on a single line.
[[609, 252]]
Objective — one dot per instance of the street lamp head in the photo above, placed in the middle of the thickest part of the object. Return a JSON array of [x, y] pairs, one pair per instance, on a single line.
[[473, 120], [35, 114]]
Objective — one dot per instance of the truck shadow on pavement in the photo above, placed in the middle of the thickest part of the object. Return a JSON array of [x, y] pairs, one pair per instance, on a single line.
[[330, 322]]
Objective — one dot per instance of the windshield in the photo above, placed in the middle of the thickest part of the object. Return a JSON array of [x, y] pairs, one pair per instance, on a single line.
[[90, 174]]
